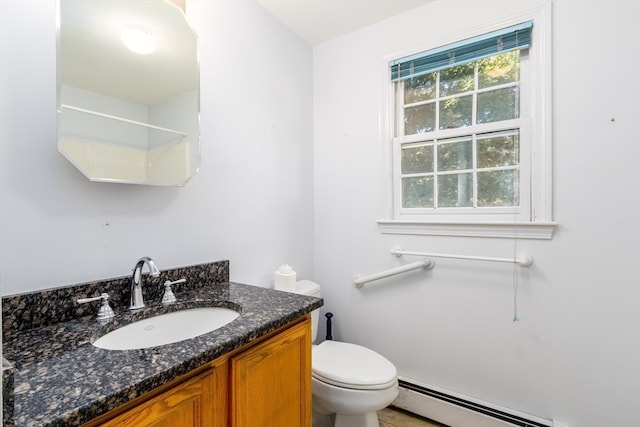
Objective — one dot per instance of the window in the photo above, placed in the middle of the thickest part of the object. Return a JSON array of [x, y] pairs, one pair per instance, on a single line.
[[468, 140]]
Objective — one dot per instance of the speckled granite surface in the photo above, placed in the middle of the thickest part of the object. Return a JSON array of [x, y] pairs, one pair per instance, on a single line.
[[62, 380], [7, 393], [32, 310]]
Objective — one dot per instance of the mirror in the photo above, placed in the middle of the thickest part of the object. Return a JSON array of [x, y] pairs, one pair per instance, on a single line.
[[123, 116]]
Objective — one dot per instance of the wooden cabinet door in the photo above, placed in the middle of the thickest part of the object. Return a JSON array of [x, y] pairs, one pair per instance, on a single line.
[[198, 402], [271, 381]]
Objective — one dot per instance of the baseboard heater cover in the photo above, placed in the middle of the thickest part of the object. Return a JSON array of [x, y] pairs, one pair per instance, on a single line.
[[473, 406]]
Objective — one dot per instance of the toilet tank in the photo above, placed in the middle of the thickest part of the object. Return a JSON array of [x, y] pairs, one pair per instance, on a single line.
[[307, 287]]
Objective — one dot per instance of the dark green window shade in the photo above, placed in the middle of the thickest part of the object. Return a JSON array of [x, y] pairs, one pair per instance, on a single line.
[[515, 37]]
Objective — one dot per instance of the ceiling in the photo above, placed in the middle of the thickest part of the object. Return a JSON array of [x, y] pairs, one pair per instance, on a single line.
[[317, 21]]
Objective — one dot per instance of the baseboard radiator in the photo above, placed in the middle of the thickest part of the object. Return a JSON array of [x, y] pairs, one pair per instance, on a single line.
[[456, 410]]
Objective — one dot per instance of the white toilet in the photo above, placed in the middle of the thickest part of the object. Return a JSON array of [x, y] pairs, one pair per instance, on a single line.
[[350, 382]]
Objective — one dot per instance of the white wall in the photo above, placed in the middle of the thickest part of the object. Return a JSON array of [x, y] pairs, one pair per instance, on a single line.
[[575, 354], [251, 203]]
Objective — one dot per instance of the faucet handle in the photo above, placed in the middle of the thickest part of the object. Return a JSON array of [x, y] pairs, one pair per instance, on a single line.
[[169, 297], [105, 311]]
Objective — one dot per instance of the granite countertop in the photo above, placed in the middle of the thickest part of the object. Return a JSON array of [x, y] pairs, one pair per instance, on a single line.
[[61, 379]]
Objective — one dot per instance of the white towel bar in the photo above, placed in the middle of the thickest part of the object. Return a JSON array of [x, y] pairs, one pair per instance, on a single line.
[[359, 281], [523, 259]]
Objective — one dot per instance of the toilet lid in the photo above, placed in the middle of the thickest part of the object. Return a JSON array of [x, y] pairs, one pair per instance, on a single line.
[[351, 366]]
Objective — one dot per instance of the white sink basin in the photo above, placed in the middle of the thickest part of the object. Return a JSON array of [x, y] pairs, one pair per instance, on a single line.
[[167, 328]]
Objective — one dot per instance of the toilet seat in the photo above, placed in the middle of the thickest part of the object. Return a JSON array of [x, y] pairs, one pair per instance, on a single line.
[[352, 366]]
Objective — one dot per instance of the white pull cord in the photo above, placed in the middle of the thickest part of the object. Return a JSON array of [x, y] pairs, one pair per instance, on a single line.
[[515, 294]]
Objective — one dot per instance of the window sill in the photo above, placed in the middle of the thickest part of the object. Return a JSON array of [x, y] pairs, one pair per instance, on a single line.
[[504, 230]]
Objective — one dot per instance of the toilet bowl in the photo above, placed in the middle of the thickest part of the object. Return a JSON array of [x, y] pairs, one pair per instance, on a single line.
[[350, 382]]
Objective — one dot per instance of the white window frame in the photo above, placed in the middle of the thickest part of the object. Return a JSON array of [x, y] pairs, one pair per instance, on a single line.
[[535, 160]]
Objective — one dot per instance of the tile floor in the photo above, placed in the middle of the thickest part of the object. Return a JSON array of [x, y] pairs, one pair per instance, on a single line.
[[394, 417]]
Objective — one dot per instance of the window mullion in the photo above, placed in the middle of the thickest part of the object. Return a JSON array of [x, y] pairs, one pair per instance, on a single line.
[[474, 145], [435, 173], [400, 107], [474, 103], [435, 144], [397, 177], [437, 100]]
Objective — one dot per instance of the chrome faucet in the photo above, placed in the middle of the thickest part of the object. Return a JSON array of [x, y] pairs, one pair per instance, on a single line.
[[137, 301]]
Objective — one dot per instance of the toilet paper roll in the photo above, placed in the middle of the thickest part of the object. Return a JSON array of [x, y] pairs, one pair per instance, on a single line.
[[285, 279]]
